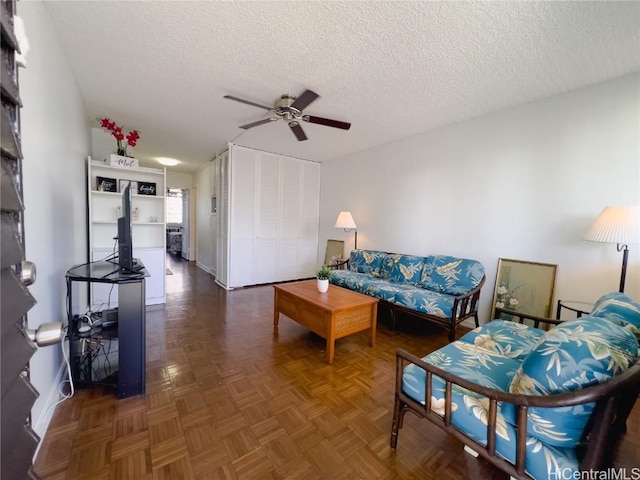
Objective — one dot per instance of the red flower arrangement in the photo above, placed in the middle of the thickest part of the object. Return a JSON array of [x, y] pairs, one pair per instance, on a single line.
[[116, 130]]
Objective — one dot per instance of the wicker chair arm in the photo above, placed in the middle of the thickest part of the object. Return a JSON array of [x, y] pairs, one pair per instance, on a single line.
[[525, 316], [628, 379]]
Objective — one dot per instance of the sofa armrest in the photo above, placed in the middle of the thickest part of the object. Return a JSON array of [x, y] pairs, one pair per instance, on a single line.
[[466, 305], [339, 265], [614, 399], [525, 316]]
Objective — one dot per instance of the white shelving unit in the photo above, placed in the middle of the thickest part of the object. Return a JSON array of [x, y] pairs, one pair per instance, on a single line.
[[149, 216]]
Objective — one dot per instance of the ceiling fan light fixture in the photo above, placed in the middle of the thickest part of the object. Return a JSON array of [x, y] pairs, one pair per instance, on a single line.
[[289, 108]]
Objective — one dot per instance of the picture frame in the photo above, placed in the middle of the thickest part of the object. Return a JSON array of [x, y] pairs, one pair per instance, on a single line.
[[106, 184], [334, 251], [523, 286], [122, 184], [146, 188]]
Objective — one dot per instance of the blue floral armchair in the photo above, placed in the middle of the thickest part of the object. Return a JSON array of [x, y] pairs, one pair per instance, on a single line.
[[535, 403]]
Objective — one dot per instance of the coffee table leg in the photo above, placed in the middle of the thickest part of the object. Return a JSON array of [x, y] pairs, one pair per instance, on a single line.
[[276, 313], [374, 314], [331, 347], [331, 338]]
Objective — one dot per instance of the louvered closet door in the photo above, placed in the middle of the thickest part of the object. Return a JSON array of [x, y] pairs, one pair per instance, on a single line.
[[289, 220], [18, 395], [266, 239]]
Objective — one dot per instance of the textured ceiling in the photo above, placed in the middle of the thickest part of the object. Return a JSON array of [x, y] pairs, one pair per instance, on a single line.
[[392, 69]]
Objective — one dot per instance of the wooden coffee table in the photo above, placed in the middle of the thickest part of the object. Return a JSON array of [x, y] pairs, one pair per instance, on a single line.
[[334, 314]]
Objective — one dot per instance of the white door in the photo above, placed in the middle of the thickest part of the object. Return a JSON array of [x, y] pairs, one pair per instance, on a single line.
[[185, 224]]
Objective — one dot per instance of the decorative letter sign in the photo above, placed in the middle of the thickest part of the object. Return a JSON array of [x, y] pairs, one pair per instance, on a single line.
[[120, 161]]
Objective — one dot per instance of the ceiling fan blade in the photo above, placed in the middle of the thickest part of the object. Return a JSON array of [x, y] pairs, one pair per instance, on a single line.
[[230, 97], [297, 131], [327, 122], [259, 122], [304, 100]]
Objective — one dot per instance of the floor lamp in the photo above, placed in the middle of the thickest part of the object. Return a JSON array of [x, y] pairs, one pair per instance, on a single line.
[[345, 221], [619, 225]]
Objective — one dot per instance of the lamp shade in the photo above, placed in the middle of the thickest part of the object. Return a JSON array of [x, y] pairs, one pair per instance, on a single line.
[[345, 220], [619, 225]]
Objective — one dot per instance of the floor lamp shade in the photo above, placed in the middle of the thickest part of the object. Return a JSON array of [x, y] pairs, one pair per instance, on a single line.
[[619, 225], [345, 221]]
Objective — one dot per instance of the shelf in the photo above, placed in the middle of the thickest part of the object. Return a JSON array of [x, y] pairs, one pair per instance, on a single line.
[[118, 195], [95, 164], [148, 236], [114, 222]]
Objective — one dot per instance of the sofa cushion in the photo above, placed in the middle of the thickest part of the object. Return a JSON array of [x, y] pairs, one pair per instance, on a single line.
[[402, 268], [620, 309], [366, 261], [451, 275], [570, 356], [382, 289], [470, 412], [425, 301], [513, 340], [351, 280], [480, 366]]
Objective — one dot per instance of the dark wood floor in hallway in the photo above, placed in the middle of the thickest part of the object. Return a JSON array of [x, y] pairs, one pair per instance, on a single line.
[[229, 398]]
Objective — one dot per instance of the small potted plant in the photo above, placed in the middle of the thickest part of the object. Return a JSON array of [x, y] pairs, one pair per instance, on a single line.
[[323, 275]]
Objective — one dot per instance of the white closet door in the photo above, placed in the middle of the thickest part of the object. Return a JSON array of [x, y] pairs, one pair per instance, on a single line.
[[289, 219], [266, 241], [273, 217], [242, 217], [243, 198], [288, 259]]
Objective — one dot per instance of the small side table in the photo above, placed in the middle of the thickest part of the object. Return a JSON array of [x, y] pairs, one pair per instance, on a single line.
[[580, 308]]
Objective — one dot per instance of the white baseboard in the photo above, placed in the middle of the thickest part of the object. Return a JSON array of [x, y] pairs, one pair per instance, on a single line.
[[223, 285], [41, 424], [204, 267]]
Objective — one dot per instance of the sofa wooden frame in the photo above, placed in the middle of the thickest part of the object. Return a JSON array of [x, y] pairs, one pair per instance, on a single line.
[[614, 400], [464, 306]]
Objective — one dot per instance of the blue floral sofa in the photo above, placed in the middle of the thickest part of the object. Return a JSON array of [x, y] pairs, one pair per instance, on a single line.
[[537, 404], [441, 289]]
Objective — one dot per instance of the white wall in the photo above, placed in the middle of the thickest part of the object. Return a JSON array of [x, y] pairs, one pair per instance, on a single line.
[[523, 183], [179, 180], [56, 142]]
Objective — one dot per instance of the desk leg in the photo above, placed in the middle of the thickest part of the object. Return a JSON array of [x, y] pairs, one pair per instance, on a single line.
[[131, 338]]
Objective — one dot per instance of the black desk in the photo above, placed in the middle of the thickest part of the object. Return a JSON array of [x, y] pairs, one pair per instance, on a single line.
[[92, 360]]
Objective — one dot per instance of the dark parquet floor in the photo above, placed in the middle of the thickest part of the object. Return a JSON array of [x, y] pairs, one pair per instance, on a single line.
[[228, 398]]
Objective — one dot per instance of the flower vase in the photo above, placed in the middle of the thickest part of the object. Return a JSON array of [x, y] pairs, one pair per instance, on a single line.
[[323, 285]]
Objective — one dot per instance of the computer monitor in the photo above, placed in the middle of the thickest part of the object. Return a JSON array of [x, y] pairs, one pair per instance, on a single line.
[[125, 242]]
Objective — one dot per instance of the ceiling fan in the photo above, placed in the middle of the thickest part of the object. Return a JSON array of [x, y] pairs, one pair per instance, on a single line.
[[289, 108]]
